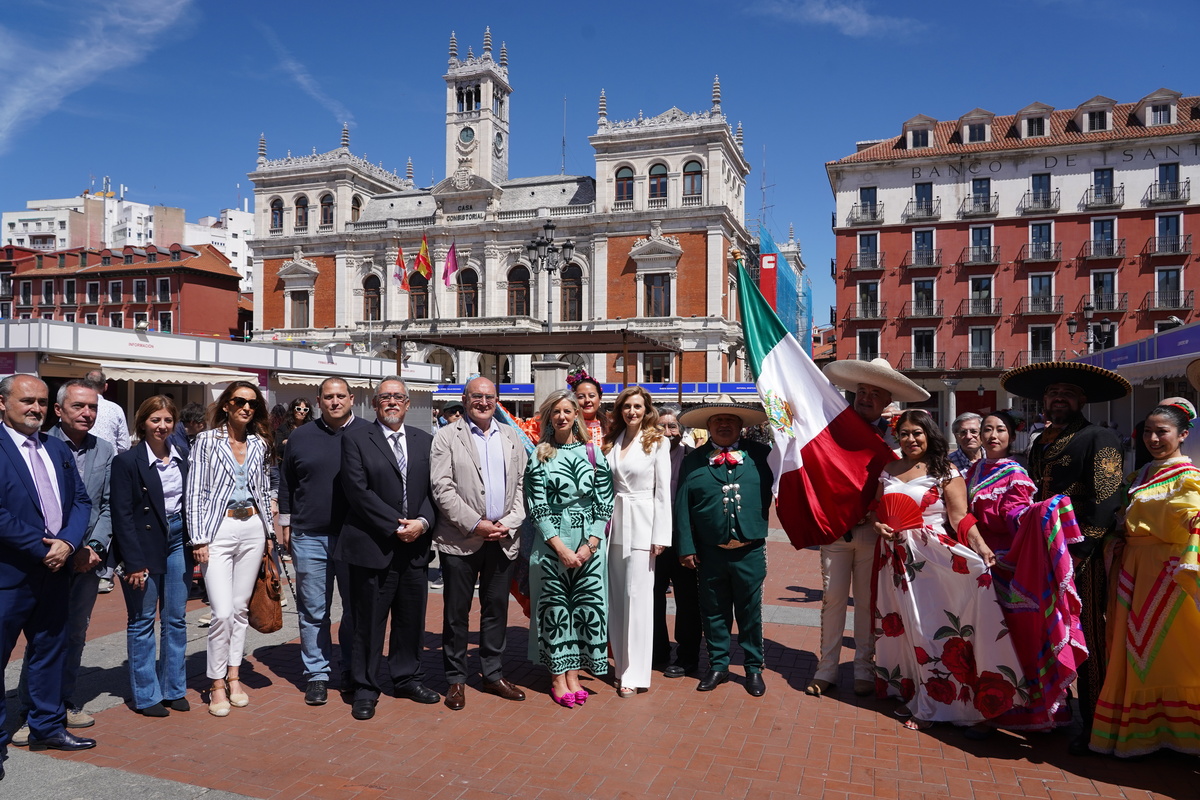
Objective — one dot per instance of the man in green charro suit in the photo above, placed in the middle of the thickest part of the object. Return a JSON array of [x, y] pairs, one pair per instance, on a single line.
[[721, 512]]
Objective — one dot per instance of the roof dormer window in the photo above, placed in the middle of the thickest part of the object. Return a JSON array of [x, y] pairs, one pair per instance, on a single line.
[[918, 139], [977, 132], [1158, 108], [918, 132], [1160, 114], [975, 127], [1097, 121], [1035, 126]]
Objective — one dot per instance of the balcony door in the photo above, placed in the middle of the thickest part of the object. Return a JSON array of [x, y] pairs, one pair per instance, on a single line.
[[981, 348]]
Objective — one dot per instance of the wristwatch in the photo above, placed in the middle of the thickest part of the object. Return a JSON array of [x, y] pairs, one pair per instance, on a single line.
[[99, 549]]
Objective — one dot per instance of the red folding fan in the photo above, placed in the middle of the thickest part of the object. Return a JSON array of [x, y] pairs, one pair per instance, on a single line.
[[899, 512]]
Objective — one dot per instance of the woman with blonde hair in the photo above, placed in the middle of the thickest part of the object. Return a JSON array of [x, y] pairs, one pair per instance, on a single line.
[[228, 519], [568, 497], [639, 457]]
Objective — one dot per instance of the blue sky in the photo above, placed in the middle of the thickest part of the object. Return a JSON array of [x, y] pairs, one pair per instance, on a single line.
[[169, 96]]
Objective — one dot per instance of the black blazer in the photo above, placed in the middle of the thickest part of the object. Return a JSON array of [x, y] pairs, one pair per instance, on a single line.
[[372, 485], [139, 512]]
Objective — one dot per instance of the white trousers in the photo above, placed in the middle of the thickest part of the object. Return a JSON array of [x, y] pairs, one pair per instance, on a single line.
[[842, 564], [631, 615], [234, 557]]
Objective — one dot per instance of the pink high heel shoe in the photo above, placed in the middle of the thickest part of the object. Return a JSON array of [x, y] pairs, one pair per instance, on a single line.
[[566, 701], [581, 697]]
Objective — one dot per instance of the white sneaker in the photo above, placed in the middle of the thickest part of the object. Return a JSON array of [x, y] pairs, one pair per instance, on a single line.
[[205, 619], [21, 736]]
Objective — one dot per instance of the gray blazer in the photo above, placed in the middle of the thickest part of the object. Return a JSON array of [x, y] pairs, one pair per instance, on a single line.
[[458, 490], [97, 469]]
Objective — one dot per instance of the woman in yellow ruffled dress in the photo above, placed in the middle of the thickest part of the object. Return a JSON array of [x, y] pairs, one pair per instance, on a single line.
[[1151, 695]]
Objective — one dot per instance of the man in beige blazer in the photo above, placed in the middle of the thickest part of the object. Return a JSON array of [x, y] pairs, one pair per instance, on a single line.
[[477, 470]]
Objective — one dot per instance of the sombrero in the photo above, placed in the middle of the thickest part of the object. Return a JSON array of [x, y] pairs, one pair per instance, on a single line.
[[849, 373], [698, 417], [1098, 384], [1193, 373]]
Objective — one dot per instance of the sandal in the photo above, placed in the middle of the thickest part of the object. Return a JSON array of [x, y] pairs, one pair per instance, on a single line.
[[221, 708], [914, 724], [625, 691], [238, 699]]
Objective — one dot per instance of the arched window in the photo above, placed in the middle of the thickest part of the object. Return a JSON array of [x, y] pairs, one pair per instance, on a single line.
[[693, 179], [658, 182], [355, 208], [327, 209], [371, 298], [301, 213], [418, 296], [443, 360], [468, 293], [624, 185], [518, 291], [571, 287], [276, 214]]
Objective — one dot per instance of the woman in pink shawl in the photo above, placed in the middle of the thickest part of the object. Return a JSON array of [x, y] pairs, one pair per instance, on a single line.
[[1033, 576]]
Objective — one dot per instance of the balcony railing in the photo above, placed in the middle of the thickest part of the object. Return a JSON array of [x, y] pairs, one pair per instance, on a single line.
[[1169, 193], [1103, 248], [866, 355], [917, 259], [1039, 357], [1101, 197], [325, 227], [1107, 303], [865, 213], [275, 231], [917, 210], [981, 307], [981, 254], [1169, 245], [981, 359], [980, 205], [1040, 251], [691, 200], [867, 311], [656, 202], [623, 205], [1168, 301], [866, 261], [1049, 304], [921, 309], [922, 362], [1039, 202]]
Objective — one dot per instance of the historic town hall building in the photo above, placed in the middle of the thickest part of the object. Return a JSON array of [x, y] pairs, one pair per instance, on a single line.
[[652, 235]]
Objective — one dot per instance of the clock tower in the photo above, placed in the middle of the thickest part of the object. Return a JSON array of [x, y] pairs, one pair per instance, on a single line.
[[477, 93]]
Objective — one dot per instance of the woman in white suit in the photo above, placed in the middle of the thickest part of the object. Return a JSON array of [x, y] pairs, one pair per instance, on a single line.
[[228, 516], [639, 456]]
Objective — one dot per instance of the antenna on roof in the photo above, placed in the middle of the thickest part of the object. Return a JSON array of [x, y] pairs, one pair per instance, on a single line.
[[563, 169]]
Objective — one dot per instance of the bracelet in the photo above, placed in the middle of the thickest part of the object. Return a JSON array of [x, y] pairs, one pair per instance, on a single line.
[[592, 547]]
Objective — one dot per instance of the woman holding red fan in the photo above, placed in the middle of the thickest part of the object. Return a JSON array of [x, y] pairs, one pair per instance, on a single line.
[[940, 645]]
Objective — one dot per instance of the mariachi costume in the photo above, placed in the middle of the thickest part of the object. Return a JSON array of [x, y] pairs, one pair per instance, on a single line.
[[721, 510], [1085, 462]]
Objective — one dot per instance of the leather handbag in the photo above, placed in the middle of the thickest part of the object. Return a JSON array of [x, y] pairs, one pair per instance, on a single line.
[[266, 608]]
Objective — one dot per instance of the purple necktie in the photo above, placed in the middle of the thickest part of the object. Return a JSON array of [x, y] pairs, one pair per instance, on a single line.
[[51, 510]]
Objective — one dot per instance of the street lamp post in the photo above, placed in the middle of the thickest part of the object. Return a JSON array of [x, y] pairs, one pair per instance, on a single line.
[[546, 256]]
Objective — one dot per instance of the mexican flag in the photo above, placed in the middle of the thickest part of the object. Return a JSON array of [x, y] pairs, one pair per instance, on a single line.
[[826, 459]]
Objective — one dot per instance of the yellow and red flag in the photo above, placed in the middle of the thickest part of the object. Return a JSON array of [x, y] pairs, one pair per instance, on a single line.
[[422, 264]]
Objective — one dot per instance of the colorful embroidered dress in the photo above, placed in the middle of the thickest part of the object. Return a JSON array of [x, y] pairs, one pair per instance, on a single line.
[[571, 497], [1151, 695], [1034, 584], [940, 641]]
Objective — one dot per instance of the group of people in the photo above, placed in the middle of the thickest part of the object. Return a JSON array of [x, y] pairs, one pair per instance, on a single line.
[[981, 580]]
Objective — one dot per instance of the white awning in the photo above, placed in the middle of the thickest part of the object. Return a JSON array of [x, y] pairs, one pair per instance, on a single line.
[[1142, 371], [300, 379], [143, 371]]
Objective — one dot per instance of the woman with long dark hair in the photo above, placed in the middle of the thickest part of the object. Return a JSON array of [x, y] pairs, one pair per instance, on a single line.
[[228, 517], [146, 498], [939, 645], [589, 394], [299, 412]]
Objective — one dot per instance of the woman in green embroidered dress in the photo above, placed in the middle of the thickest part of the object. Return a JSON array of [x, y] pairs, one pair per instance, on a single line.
[[569, 498]]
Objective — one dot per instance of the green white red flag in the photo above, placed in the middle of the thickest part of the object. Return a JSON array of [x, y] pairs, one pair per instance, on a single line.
[[826, 459]]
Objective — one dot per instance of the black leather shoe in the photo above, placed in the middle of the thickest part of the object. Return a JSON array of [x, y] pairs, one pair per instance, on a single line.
[[156, 710], [363, 709], [712, 680], [181, 704], [63, 740], [419, 693], [317, 693], [755, 685], [679, 670]]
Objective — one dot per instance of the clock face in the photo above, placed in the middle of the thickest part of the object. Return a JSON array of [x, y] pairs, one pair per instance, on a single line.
[[466, 135], [498, 142]]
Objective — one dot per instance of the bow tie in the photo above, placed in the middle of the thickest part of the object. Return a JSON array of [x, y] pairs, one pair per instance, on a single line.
[[727, 457]]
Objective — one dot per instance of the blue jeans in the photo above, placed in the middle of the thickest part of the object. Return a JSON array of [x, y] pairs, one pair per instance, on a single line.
[[165, 677], [84, 587], [315, 573]]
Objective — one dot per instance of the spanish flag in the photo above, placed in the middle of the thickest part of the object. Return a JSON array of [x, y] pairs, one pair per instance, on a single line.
[[422, 264]]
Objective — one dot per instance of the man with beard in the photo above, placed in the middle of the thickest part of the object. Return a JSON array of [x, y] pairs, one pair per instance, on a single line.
[[668, 572], [1084, 461], [850, 560]]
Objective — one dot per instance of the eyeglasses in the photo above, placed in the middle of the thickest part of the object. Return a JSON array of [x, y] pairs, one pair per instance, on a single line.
[[386, 396], [242, 402], [479, 396]]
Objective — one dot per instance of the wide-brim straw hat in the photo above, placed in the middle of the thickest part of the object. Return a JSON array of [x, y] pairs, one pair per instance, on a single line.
[[698, 417], [1099, 385], [849, 373]]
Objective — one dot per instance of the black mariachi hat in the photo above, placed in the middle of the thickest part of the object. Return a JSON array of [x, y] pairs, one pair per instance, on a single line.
[[1098, 384]]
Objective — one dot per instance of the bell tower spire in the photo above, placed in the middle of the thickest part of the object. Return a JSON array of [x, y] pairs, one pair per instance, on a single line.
[[477, 96]]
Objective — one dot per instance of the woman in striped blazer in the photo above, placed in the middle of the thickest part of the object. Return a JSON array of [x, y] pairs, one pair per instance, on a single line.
[[228, 516]]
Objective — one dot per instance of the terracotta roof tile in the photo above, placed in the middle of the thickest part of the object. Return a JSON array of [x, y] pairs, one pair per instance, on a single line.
[[207, 258], [1061, 130]]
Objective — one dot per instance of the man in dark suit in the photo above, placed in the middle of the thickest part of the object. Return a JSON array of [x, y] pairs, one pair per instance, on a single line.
[[668, 572], [44, 514], [386, 541]]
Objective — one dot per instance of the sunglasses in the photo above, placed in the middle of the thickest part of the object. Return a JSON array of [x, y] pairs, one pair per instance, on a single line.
[[241, 402]]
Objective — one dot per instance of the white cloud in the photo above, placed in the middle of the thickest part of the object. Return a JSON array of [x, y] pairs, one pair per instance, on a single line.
[[36, 76], [306, 81], [851, 17]]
